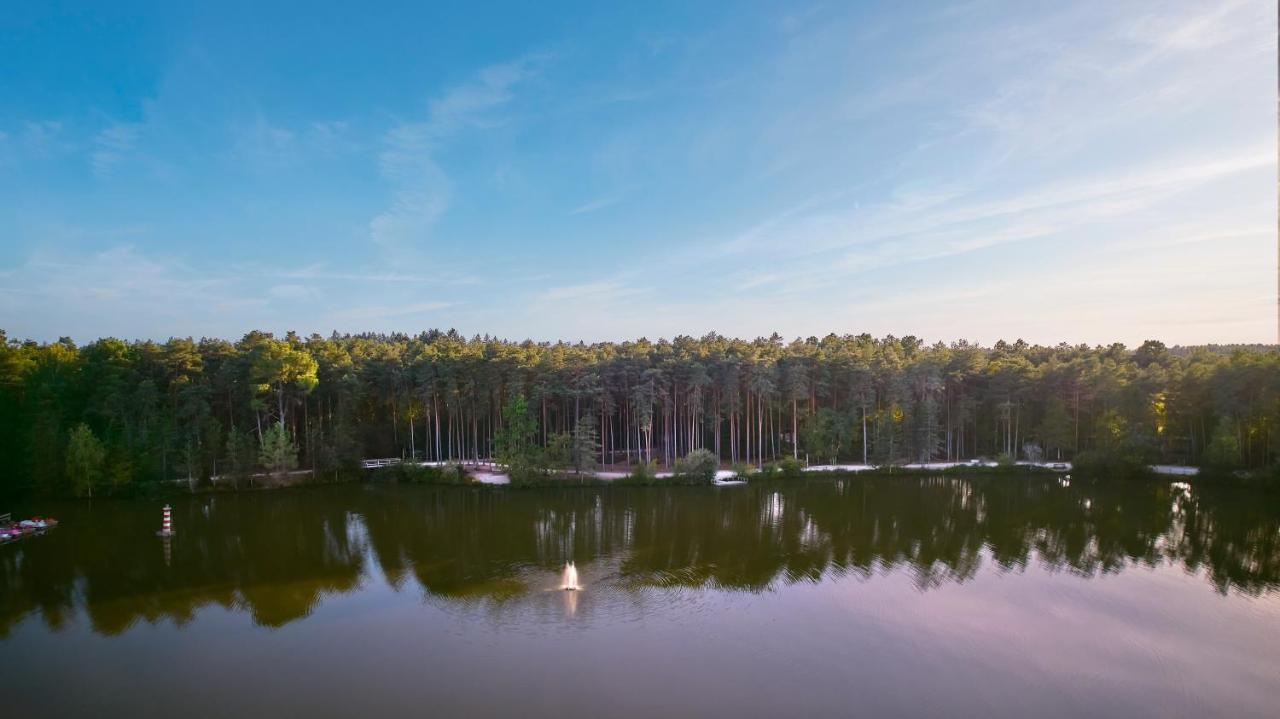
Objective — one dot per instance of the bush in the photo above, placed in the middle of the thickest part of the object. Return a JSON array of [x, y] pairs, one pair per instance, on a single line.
[[698, 466], [743, 471], [418, 474], [769, 471], [645, 472], [454, 474], [790, 468], [521, 475], [1110, 465]]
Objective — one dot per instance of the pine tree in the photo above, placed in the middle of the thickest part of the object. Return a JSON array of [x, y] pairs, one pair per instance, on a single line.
[[278, 452], [239, 456], [586, 444]]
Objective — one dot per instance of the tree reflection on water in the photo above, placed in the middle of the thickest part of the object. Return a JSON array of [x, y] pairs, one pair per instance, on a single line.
[[275, 555]]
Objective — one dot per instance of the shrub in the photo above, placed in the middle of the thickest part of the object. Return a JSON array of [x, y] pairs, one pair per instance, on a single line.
[[790, 467], [524, 475], [698, 466], [454, 474], [1110, 465], [644, 473], [418, 474], [742, 470]]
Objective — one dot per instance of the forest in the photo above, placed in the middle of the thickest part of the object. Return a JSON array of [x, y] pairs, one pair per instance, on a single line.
[[113, 416]]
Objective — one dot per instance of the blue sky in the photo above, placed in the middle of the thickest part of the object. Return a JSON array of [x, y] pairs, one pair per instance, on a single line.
[[1088, 172]]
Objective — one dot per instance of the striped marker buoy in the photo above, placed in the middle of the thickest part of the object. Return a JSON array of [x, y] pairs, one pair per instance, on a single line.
[[166, 529]]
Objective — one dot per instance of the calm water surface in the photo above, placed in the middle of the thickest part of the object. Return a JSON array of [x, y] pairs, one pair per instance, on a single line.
[[872, 597]]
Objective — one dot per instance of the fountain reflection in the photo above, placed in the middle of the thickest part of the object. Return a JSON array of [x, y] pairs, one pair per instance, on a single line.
[[276, 555], [571, 604]]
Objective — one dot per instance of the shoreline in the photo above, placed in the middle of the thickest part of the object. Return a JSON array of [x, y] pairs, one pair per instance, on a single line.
[[489, 475]]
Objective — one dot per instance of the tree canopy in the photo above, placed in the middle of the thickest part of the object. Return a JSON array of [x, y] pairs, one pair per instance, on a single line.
[[188, 408]]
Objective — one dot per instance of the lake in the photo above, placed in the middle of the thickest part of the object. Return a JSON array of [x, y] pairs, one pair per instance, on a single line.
[[824, 597]]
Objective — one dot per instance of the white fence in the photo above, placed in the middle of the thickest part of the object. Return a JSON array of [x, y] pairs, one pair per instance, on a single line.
[[375, 463]]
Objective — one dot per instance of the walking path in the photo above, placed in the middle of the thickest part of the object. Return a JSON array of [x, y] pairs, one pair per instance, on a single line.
[[489, 472]]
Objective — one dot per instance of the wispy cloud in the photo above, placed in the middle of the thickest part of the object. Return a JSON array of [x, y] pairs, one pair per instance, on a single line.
[[321, 272], [955, 222], [120, 290], [438, 275], [293, 292], [329, 137], [44, 138], [382, 312], [604, 289], [1201, 28], [422, 191], [111, 145], [264, 144], [1000, 150], [126, 291], [594, 205]]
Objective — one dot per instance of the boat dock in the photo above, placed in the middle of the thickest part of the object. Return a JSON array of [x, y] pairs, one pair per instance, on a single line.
[[11, 531]]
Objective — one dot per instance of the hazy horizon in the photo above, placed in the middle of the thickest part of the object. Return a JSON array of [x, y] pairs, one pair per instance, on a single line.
[[1080, 174], [653, 339]]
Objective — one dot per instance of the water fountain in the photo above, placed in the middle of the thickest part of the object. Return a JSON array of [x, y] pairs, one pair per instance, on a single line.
[[569, 578]]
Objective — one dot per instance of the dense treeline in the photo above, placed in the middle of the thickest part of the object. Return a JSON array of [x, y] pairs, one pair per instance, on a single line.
[[113, 414]]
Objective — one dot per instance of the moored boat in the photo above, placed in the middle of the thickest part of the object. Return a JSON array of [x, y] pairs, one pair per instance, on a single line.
[[10, 530]]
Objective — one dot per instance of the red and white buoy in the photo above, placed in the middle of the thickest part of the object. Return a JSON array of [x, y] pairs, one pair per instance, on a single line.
[[166, 529]]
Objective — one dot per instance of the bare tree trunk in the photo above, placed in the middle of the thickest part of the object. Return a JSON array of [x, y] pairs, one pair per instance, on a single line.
[[758, 444], [864, 433], [795, 436]]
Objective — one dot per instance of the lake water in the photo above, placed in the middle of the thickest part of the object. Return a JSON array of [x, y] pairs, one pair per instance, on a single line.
[[868, 597]]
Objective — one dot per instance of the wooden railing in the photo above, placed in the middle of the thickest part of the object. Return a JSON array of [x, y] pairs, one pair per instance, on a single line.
[[375, 463]]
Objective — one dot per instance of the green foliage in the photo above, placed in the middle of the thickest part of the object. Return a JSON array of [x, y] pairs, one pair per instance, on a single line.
[[419, 474], [527, 476], [644, 473], [744, 470], [119, 473], [516, 443], [826, 432], [277, 452], [343, 452], [238, 458], [1055, 427], [559, 451], [790, 468], [586, 445], [1223, 451], [198, 408], [1110, 465], [277, 366], [699, 466], [85, 457]]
